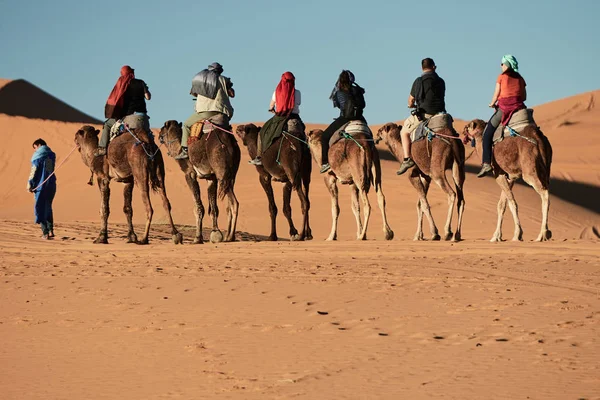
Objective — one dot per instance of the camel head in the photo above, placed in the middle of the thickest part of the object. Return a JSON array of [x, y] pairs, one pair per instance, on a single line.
[[473, 130], [386, 132], [314, 143], [170, 135], [248, 133], [87, 136]]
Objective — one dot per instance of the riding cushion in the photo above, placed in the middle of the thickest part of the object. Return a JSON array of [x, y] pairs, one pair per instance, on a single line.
[[518, 122], [352, 128]]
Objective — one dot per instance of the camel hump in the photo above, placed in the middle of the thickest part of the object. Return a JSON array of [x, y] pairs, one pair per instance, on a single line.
[[520, 120], [352, 128]]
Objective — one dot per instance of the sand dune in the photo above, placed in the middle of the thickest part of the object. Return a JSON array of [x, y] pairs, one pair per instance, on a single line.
[[310, 320]]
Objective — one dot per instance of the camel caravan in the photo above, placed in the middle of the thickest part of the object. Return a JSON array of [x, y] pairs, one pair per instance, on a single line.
[[205, 147]]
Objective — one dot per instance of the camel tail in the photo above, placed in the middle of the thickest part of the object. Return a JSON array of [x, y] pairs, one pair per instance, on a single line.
[[227, 183], [157, 170], [545, 150], [368, 178]]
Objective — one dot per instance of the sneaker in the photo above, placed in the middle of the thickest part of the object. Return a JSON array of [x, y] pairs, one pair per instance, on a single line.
[[256, 161], [485, 168], [325, 168], [100, 151], [405, 166], [183, 155]]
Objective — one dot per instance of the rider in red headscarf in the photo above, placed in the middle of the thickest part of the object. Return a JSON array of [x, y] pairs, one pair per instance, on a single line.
[[127, 97], [285, 103]]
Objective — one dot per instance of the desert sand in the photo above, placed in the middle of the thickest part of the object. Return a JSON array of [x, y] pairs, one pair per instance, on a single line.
[[312, 320]]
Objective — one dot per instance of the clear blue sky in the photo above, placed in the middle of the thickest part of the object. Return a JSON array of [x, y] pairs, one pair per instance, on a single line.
[[74, 49]]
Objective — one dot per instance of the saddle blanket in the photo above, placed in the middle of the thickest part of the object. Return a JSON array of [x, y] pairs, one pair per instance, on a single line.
[[518, 122], [435, 124], [133, 121], [352, 128]]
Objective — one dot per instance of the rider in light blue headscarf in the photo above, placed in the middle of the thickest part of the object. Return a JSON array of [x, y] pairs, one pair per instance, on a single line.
[[511, 62]]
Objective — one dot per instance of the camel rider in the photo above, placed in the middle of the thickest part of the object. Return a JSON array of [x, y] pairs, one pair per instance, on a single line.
[[128, 97], [212, 92], [349, 98], [285, 103], [427, 98], [510, 93]]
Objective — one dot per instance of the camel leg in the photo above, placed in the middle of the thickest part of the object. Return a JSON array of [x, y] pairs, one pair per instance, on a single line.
[[501, 209], [330, 182], [232, 210], [145, 189], [458, 174], [366, 212], [376, 171], [506, 185], [356, 209], [213, 210], [265, 181], [192, 183], [103, 185], [545, 233], [176, 236], [422, 186], [287, 210], [305, 205], [128, 210], [443, 183]]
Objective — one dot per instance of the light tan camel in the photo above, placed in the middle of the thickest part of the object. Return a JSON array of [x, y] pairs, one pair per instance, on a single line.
[[214, 156], [356, 163], [432, 160], [516, 157], [132, 161], [287, 160]]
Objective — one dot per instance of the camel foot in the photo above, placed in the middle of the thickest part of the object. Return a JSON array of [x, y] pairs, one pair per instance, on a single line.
[[544, 236], [331, 238], [448, 236], [418, 237], [436, 237], [101, 239], [132, 238], [457, 237], [363, 237], [308, 236], [295, 238], [142, 242], [216, 236], [198, 240], [496, 238], [177, 238], [389, 234], [272, 238]]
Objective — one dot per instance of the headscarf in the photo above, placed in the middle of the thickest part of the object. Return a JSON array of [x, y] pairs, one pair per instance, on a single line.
[[285, 94], [511, 62], [205, 83], [336, 88], [41, 152], [114, 104]]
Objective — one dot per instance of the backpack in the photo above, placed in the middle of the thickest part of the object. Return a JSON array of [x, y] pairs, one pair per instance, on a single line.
[[355, 104]]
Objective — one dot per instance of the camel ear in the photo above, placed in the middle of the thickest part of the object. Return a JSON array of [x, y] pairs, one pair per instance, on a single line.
[[96, 131], [180, 124]]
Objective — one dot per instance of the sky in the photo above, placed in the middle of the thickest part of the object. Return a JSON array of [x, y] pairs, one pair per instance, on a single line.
[[74, 50]]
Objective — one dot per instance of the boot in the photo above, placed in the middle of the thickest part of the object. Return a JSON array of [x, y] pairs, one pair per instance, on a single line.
[[182, 155], [325, 168], [256, 161], [407, 164], [485, 168]]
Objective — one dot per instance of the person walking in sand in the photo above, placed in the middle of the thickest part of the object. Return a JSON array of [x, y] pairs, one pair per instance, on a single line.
[[42, 183], [128, 97]]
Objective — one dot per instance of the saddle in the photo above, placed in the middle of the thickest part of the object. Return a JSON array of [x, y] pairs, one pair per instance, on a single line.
[[517, 123], [133, 121], [201, 127], [433, 124], [352, 128]]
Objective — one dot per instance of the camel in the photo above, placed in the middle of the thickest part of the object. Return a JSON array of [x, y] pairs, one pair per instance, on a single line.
[[132, 161], [214, 156], [356, 163], [529, 157], [432, 159], [287, 160]]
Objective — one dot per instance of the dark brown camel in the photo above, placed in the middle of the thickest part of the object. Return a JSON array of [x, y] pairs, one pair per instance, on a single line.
[[358, 166], [432, 160], [516, 157], [215, 156], [287, 160], [127, 162]]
